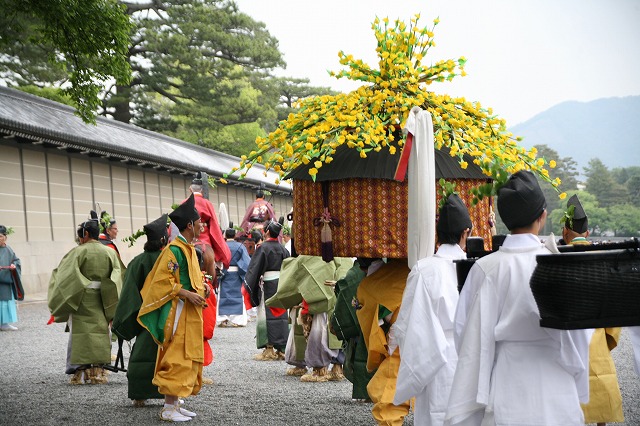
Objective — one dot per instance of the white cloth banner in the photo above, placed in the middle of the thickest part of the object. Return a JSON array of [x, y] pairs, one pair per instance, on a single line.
[[223, 217], [421, 224]]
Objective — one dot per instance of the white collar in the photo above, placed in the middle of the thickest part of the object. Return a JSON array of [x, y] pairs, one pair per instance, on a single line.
[[516, 241], [450, 251]]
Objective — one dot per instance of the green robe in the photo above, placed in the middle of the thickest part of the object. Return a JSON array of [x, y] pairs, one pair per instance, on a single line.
[[88, 310], [345, 322], [303, 277], [142, 361]]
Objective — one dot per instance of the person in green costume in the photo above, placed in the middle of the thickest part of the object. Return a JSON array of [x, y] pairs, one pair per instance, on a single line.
[[305, 287], [142, 361], [84, 291], [344, 323], [173, 296]]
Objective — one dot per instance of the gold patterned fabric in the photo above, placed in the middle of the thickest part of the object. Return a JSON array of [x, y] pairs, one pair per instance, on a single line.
[[372, 216], [479, 213]]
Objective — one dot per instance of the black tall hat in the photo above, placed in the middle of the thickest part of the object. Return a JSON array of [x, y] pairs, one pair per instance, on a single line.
[[230, 232], [185, 213], [454, 216], [578, 221], [197, 179], [520, 200], [273, 227], [93, 217], [91, 224], [157, 229], [260, 191]]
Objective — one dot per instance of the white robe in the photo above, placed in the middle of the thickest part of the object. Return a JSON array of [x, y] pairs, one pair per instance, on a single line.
[[510, 370], [634, 335], [424, 334]]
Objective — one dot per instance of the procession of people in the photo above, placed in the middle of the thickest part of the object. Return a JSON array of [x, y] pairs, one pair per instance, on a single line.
[[406, 338]]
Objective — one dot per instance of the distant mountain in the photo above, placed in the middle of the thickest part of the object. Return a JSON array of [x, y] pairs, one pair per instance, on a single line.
[[608, 129]]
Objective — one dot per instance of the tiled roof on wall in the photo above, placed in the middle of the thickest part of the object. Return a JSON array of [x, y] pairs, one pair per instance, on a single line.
[[41, 121]]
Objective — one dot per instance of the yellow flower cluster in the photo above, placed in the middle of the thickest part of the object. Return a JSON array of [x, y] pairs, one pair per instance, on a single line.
[[366, 119]]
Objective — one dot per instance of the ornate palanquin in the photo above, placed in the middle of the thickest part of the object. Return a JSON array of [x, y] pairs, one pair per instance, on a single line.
[[370, 205], [372, 215]]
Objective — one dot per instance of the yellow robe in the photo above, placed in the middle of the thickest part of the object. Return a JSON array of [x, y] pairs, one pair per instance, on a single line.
[[180, 353], [384, 287], [605, 400]]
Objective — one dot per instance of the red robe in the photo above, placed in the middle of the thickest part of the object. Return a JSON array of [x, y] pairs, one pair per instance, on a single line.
[[209, 315], [212, 234], [106, 241]]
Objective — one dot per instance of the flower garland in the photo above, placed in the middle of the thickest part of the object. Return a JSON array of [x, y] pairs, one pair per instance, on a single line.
[[366, 118]]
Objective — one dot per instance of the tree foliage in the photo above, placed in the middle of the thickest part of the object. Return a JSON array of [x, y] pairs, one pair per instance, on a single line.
[[624, 220], [601, 183], [629, 177], [612, 211], [201, 69], [199, 57], [291, 90], [78, 46]]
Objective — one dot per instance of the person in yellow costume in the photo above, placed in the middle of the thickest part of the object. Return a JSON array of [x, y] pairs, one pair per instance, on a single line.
[[379, 296], [173, 296], [605, 400]]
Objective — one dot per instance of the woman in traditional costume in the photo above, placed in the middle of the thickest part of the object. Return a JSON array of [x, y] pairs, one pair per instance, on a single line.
[[10, 283]]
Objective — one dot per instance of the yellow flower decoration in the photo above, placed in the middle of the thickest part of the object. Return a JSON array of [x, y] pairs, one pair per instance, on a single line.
[[367, 118]]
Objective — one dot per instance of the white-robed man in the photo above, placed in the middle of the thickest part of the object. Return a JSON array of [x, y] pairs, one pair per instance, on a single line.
[[424, 329], [510, 370]]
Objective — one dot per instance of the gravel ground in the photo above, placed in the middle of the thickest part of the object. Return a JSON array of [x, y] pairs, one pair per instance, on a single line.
[[35, 390]]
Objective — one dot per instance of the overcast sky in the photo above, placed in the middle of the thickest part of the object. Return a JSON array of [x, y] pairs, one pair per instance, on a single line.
[[524, 56]]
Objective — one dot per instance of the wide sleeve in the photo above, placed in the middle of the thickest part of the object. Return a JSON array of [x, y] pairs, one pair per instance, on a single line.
[[421, 339], [66, 286], [574, 356], [254, 272], [111, 286], [271, 210], [245, 224], [634, 335], [218, 243], [18, 290], [472, 380], [243, 260], [16, 261], [468, 293], [160, 289], [374, 337], [125, 321]]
